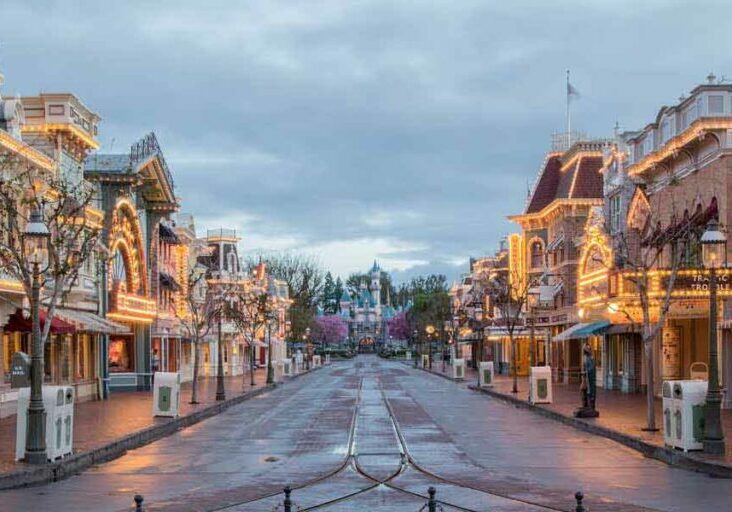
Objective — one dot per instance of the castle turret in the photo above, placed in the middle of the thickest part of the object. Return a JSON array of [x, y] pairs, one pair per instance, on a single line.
[[375, 287]]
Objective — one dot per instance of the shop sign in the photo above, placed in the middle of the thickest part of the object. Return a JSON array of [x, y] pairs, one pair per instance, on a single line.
[[698, 282], [20, 370], [688, 309]]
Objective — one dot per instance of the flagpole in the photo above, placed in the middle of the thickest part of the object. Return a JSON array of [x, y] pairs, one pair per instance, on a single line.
[[569, 119]]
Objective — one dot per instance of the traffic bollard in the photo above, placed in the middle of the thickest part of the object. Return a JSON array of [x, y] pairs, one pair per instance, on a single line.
[[432, 504], [288, 501], [138, 502], [578, 496]]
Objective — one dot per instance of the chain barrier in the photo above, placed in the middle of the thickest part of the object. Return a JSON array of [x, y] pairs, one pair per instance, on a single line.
[[431, 506]]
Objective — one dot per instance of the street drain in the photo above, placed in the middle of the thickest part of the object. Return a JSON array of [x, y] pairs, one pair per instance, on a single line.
[[271, 459]]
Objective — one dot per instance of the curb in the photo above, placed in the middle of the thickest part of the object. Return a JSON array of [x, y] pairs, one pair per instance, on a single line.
[[55, 471], [661, 453]]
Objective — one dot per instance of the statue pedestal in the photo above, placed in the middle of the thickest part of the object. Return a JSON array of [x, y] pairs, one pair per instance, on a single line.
[[586, 412]]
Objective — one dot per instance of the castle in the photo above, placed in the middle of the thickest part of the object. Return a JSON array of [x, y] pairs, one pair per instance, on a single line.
[[366, 316]]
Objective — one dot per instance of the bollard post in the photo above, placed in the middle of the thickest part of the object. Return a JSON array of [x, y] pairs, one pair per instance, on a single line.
[[578, 496], [432, 504], [138, 502], [288, 501]]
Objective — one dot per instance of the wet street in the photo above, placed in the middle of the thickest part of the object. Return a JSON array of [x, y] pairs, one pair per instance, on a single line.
[[370, 434]]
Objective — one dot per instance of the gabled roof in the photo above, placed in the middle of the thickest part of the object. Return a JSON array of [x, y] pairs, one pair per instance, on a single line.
[[579, 178]]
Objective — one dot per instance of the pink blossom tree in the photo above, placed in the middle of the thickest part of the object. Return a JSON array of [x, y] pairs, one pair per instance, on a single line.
[[329, 329], [399, 326]]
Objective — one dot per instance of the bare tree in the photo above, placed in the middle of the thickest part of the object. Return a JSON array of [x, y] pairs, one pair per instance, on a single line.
[[509, 291], [201, 306], [66, 207], [249, 311], [648, 245], [304, 276]]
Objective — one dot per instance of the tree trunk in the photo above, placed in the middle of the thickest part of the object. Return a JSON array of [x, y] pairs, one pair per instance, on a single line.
[[650, 406], [196, 364], [514, 364], [251, 366]]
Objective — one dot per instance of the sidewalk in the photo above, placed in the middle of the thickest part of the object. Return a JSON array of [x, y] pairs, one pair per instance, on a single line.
[[122, 422], [622, 417]]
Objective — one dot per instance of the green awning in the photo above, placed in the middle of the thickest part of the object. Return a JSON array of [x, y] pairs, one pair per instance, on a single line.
[[593, 329]]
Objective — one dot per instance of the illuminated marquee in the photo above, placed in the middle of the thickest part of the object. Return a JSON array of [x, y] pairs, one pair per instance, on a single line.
[[516, 267], [127, 271]]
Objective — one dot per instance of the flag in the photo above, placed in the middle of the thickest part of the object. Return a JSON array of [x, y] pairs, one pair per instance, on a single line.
[[572, 92]]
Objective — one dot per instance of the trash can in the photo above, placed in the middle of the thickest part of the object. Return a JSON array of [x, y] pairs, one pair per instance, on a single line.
[[327, 358], [458, 369], [166, 394], [688, 424], [58, 405], [669, 411], [425, 361], [408, 355], [540, 385], [485, 373], [298, 362], [287, 367], [316, 361]]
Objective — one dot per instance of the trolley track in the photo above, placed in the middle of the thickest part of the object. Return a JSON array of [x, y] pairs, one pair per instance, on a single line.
[[357, 462]]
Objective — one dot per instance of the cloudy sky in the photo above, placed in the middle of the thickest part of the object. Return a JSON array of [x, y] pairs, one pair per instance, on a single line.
[[399, 130]]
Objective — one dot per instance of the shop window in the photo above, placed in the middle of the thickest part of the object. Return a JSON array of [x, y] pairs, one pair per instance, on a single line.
[[614, 202], [691, 257], [121, 355]]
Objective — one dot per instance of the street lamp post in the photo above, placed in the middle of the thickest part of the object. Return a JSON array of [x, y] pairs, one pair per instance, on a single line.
[[533, 299], [270, 370], [35, 243], [220, 391], [714, 255], [430, 329], [418, 354], [449, 331], [306, 338]]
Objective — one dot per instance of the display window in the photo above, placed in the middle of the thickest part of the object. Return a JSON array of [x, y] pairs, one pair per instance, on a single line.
[[121, 355]]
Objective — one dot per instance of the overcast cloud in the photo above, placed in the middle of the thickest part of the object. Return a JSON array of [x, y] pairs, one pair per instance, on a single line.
[[402, 131]]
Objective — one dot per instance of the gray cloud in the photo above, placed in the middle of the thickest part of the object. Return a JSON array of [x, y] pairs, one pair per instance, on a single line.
[[405, 131]]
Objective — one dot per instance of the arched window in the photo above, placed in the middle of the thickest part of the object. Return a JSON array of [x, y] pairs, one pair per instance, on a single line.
[[537, 254]]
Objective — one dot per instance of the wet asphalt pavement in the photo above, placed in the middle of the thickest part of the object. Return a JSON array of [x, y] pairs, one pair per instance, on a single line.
[[372, 435]]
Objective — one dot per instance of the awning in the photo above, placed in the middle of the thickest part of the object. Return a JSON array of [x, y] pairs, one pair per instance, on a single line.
[[568, 334], [623, 329], [168, 235], [556, 243], [593, 329], [18, 323], [168, 281], [585, 330], [87, 321]]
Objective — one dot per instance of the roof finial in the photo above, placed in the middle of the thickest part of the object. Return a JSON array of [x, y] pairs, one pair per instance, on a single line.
[[711, 78]]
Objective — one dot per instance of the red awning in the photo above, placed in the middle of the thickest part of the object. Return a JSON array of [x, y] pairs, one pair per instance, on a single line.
[[18, 323]]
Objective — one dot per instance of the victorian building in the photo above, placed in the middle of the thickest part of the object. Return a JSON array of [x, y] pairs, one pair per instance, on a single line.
[[137, 195], [53, 134], [663, 184], [569, 185], [226, 277]]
